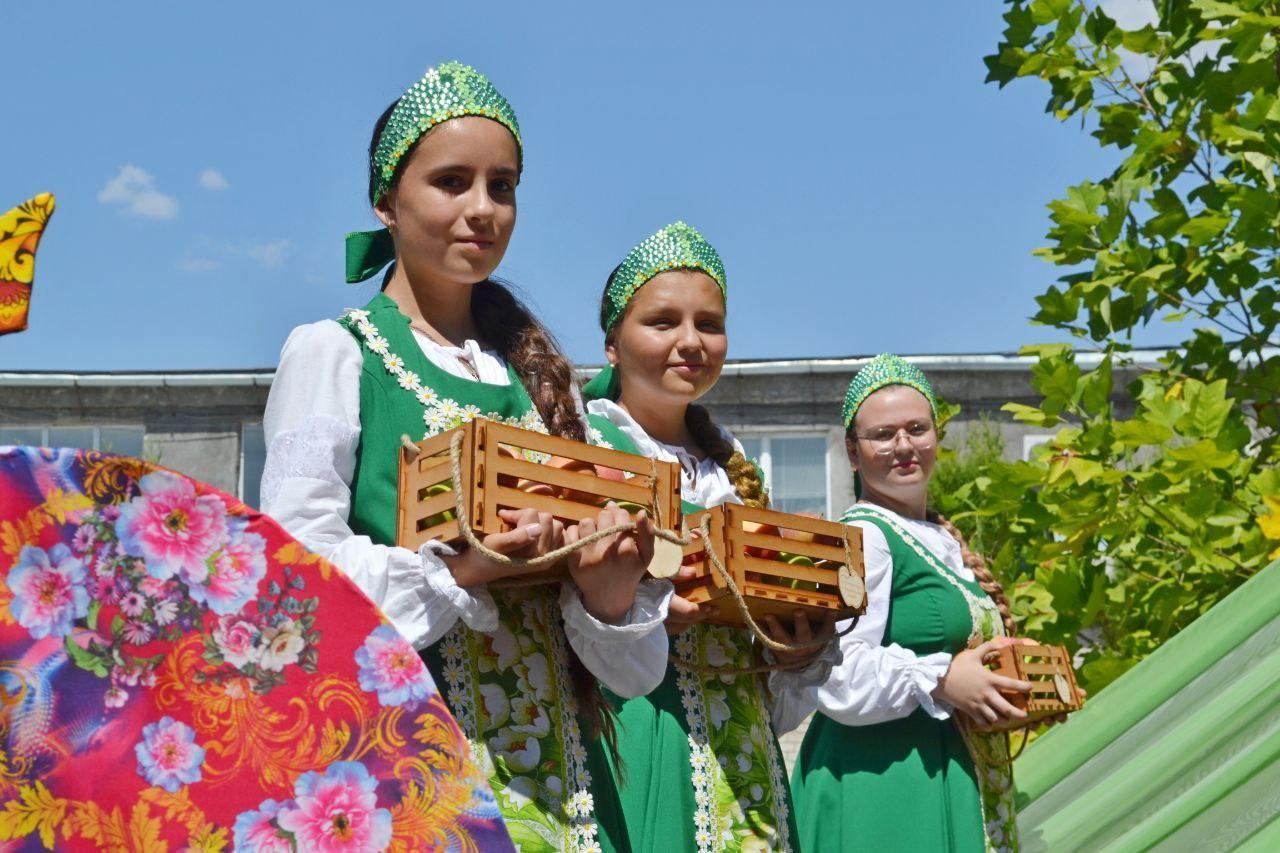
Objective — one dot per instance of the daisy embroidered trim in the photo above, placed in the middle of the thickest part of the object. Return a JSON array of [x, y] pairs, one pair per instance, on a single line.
[[440, 414], [702, 759], [580, 807], [980, 609]]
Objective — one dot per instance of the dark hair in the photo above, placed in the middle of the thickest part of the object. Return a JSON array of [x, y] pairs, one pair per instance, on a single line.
[[507, 325]]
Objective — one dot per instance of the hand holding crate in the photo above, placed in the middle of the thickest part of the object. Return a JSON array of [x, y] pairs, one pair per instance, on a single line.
[[456, 483], [772, 563], [1053, 681]]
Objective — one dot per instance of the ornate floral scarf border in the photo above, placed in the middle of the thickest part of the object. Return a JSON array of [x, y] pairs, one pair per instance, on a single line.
[[177, 670]]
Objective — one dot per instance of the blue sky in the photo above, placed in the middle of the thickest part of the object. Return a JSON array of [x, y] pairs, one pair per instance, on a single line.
[[866, 189]]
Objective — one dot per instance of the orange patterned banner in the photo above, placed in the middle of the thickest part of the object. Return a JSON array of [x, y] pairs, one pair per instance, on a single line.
[[20, 230]]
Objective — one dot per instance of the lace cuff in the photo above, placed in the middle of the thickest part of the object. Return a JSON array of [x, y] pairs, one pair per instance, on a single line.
[[648, 612], [474, 607], [313, 450]]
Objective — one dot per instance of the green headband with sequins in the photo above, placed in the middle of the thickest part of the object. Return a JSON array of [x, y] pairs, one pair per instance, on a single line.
[[883, 370], [450, 90], [675, 247], [678, 246]]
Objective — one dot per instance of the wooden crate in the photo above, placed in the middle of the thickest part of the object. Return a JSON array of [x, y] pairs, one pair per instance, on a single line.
[[1053, 680], [780, 563], [505, 467]]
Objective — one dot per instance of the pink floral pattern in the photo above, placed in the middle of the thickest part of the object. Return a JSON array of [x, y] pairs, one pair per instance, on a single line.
[[337, 811], [168, 755], [171, 527], [48, 591], [390, 667]]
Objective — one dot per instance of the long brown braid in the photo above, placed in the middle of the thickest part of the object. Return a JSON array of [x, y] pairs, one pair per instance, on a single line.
[[978, 565], [744, 476], [504, 323]]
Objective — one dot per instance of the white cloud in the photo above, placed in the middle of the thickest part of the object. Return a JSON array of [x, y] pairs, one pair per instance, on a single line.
[[135, 189], [270, 255], [198, 265], [212, 179]]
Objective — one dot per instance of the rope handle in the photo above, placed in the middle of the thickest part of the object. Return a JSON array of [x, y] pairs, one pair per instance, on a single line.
[[980, 755], [767, 641], [542, 560]]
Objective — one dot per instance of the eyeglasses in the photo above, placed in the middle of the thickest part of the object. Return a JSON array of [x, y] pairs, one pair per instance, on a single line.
[[920, 435]]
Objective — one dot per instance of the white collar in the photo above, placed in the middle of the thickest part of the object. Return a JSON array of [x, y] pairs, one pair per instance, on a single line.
[[702, 481]]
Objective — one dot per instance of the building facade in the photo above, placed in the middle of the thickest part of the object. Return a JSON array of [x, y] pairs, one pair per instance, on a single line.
[[208, 424]]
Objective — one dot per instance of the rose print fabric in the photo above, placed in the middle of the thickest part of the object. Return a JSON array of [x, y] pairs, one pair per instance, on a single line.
[[176, 672]]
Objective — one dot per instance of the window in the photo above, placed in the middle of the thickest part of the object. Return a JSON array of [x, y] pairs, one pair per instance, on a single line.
[[124, 440], [795, 470], [1031, 442], [253, 456]]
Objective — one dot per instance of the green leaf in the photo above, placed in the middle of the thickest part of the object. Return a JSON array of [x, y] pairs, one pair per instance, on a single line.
[[1030, 415], [1096, 388], [1208, 408], [92, 659], [1203, 228], [1204, 455]]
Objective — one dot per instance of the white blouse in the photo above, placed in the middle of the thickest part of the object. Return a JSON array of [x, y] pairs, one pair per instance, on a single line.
[[704, 483], [875, 683], [312, 429]]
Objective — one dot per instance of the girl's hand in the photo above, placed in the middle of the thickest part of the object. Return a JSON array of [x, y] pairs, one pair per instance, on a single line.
[[682, 613], [534, 533], [608, 571], [801, 634], [976, 691]]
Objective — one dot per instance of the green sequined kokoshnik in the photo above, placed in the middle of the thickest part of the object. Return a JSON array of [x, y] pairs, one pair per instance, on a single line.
[[450, 90], [883, 370], [676, 247]]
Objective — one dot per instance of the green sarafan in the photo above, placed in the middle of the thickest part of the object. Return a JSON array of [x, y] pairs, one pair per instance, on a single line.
[[1160, 491]]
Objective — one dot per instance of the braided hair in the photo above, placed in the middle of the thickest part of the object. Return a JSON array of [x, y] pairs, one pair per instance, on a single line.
[[978, 565]]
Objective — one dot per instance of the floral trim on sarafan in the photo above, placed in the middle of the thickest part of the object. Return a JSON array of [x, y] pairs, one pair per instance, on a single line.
[[580, 806], [740, 800], [439, 414], [995, 781], [511, 693], [983, 615]]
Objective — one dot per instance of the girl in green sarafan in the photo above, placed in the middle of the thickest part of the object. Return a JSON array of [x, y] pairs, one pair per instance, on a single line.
[[701, 769], [889, 762], [441, 343]]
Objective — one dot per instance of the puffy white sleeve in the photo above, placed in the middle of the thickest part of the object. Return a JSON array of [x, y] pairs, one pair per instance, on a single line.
[[312, 429], [629, 658], [875, 683], [790, 692]]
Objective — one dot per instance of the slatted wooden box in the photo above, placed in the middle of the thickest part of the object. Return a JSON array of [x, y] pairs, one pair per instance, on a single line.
[[1053, 680], [780, 563], [505, 467]]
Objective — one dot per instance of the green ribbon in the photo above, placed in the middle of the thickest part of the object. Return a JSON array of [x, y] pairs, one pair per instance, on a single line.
[[605, 385], [368, 252]]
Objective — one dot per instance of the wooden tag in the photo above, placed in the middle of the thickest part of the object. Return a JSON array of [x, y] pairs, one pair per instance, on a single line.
[[1063, 687], [853, 590], [667, 557]]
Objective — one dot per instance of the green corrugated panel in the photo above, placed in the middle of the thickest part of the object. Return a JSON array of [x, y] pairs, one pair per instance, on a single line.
[[1180, 752]]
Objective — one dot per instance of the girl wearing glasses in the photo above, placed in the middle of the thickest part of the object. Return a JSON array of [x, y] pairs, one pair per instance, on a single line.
[[887, 764]]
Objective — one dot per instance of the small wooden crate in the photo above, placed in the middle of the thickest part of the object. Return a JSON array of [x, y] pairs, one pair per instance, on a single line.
[[499, 473], [819, 571], [1053, 680]]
